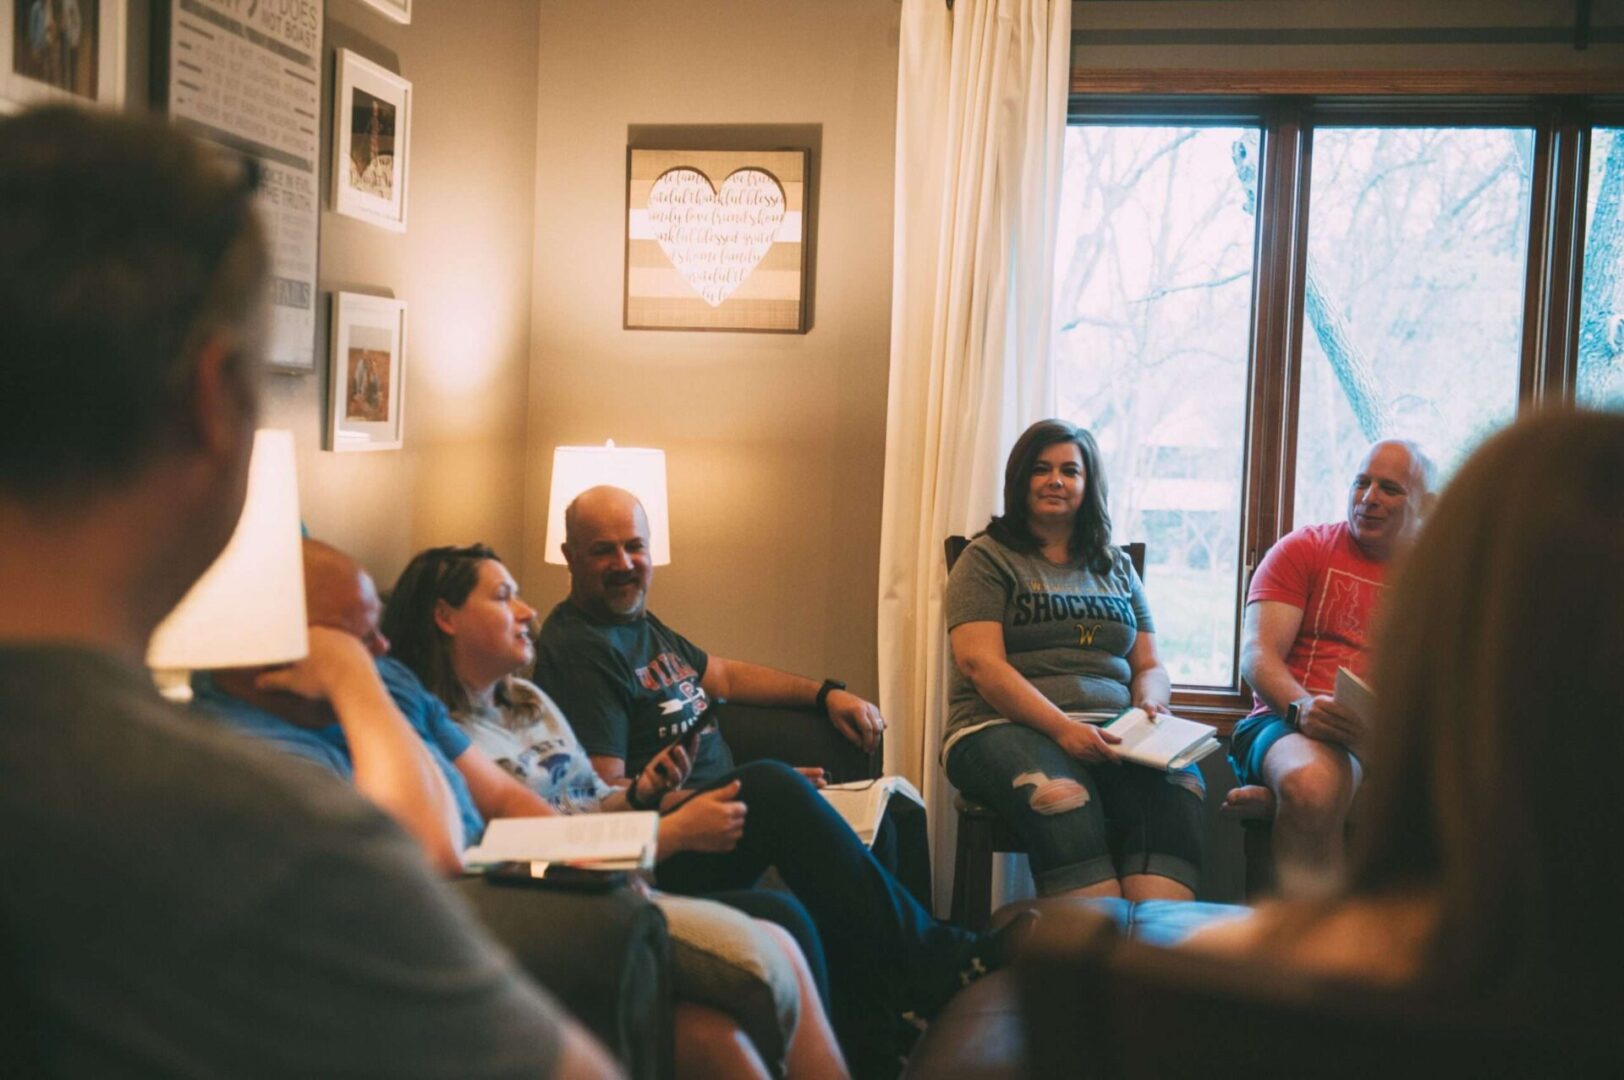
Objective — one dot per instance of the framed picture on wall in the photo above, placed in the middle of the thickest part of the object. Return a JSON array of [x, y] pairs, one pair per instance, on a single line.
[[372, 135], [62, 50], [366, 384], [398, 10], [715, 240]]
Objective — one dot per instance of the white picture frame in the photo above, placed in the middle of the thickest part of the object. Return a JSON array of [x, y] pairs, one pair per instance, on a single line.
[[366, 374], [62, 51], [398, 10], [372, 130]]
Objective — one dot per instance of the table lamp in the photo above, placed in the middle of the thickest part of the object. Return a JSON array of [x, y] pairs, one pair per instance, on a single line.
[[248, 607], [637, 470]]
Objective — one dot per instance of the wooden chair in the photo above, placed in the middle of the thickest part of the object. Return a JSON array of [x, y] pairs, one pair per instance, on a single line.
[[1097, 1007], [981, 831]]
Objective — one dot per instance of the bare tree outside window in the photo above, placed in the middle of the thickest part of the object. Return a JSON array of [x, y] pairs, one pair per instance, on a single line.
[[1153, 291], [1417, 258], [1601, 320]]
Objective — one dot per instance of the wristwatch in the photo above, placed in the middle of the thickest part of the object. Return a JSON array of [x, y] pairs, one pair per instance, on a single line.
[[823, 692]]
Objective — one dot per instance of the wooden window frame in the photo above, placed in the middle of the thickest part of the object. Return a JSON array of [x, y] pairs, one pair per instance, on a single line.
[[1561, 107]]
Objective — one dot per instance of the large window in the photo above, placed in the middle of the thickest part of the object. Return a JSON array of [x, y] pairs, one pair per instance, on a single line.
[[1417, 260], [1250, 292], [1153, 287]]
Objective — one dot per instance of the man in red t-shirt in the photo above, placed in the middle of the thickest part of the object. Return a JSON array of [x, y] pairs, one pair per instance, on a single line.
[[1308, 613]]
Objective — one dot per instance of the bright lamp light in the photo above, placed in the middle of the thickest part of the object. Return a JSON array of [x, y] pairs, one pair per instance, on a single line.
[[637, 470], [248, 608]]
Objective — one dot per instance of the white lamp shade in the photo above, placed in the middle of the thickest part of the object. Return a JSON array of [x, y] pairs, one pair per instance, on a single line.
[[248, 608], [639, 471]]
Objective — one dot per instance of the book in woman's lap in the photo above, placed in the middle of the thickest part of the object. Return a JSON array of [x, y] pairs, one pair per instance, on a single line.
[[1167, 742]]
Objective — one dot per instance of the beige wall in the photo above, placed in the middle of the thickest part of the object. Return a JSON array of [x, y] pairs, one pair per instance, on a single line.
[[463, 268], [774, 442]]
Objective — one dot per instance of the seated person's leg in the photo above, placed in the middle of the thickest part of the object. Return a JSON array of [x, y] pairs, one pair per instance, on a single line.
[[1249, 742], [562, 938], [902, 845], [729, 962], [873, 929], [1158, 817], [1048, 797], [784, 911], [710, 1044], [813, 1051], [1313, 784]]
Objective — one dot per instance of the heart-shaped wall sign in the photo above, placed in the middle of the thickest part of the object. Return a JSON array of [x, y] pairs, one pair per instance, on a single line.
[[715, 238]]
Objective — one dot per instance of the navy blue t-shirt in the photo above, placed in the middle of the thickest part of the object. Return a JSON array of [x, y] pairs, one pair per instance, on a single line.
[[629, 688]]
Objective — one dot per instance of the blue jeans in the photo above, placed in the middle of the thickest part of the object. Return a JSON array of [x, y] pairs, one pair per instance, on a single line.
[[886, 953], [1091, 823]]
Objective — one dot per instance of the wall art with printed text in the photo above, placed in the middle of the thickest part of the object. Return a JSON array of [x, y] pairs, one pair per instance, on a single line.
[[715, 240]]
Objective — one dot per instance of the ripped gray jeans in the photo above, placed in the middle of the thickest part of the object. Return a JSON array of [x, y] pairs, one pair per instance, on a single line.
[[1083, 823]]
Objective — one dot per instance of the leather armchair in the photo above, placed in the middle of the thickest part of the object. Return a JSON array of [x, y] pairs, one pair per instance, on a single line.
[[796, 737]]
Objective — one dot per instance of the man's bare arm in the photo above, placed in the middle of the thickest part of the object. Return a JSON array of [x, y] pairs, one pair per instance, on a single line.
[[393, 768], [1266, 638], [1267, 634], [755, 684]]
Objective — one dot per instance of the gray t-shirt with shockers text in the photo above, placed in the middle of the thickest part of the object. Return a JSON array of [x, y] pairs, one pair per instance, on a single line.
[[183, 900], [1067, 629]]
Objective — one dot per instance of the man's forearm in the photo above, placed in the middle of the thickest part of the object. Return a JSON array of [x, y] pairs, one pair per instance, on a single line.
[[755, 684], [395, 770], [1268, 674]]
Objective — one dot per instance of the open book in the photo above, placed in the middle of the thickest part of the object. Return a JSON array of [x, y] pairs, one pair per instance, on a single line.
[[1355, 695], [588, 841], [862, 802], [1169, 742]]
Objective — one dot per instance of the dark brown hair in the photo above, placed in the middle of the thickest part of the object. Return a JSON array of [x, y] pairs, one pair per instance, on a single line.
[[1091, 530], [438, 573], [126, 246], [1501, 674]]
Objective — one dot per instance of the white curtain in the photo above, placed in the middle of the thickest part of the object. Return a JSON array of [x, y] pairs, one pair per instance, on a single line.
[[981, 113]]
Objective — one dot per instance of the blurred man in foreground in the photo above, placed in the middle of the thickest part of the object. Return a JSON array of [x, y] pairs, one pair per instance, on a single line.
[[177, 899]]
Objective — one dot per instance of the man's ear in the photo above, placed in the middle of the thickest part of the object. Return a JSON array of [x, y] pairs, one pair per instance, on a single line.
[[569, 561], [221, 404], [443, 612]]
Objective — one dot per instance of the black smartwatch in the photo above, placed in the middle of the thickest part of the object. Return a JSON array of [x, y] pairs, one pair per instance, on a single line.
[[823, 692]]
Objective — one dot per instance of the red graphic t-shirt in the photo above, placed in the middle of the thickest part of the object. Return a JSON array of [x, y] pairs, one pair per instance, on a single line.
[[1319, 569]]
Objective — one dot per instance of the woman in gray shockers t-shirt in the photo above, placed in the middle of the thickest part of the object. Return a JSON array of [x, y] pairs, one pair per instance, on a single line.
[[1051, 633]]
